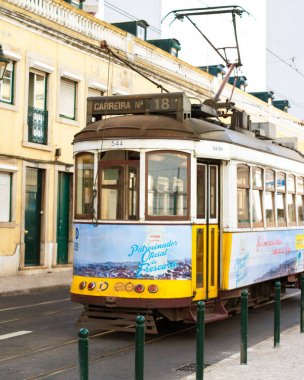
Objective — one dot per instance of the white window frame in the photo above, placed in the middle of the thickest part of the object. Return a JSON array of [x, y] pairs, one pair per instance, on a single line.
[[11, 80], [11, 172]]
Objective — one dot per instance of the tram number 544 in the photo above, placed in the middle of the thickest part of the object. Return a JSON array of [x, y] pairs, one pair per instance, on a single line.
[[116, 143]]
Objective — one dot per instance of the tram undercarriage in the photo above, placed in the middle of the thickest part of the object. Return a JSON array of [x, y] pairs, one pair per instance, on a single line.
[[123, 319]]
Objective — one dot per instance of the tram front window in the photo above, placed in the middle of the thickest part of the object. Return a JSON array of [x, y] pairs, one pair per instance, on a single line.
[[167, 185], [118, 185], [84, 185]]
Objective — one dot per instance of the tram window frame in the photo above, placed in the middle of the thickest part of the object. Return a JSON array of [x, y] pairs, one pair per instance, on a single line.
[[281, 192], [213, 193], [83, 215], [259, 189], [123, 186], [241, 187], [271, 190], [291, 193], [300, 196], [201, 191], [148, 192]]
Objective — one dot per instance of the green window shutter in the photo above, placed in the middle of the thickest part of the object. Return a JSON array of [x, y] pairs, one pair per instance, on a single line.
[[5, 197], [67, 101]]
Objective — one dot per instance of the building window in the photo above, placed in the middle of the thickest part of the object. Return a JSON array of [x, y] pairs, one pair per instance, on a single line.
[[67, 98], [300, 199], [75, 3], [84, 185], [37, 112], [119, 185], [5, 196], [243, 187], [281, 194], [269, 197], [257, 197], [291, 199], [94, 92], [167, 194], [7, 85]]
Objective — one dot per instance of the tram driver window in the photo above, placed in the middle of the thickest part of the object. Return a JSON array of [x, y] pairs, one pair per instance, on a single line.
[[167, 185], [84, 185], [118, 185], [243, 195]]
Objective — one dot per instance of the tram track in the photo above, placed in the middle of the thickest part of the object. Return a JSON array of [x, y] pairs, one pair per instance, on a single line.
[[97, 359], [44, 313]]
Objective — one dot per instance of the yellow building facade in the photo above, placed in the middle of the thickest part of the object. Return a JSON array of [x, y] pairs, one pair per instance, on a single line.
[[56, 62]]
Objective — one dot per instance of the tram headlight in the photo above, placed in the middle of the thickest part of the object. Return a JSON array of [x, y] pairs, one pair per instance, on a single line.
[[91, 285], [139, 288], [82, 285], [153, 288]]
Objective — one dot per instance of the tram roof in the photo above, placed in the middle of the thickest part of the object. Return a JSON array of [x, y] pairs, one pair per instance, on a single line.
[[164, 127]]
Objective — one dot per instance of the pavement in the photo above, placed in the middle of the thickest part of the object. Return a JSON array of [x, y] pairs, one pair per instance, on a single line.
[[27, 283], [264, 362]]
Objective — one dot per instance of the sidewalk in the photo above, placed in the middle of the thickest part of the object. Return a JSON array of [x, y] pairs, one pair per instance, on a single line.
[[27, 283], [264, 361]]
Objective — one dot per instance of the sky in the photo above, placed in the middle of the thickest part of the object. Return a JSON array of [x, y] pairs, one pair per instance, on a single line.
[[251, 32]]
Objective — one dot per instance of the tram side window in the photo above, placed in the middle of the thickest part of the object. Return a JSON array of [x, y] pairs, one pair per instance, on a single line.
[[84, 185], [291, 199], [281, 193], [167, 185], [257, 197], [243, 186], [300, 199], [269, 197]]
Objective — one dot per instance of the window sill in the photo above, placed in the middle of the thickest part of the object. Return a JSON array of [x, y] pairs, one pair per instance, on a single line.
[[64, 120], [8, 224], [8, 106], [36, 146]]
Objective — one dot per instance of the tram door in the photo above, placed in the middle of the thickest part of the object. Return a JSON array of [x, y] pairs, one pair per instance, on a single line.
[[205, 234]]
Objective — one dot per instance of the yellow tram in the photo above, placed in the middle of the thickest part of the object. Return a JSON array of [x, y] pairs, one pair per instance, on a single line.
[[172, 206]]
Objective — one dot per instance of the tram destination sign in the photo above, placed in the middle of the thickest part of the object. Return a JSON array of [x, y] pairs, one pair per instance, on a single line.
[[176, 103]]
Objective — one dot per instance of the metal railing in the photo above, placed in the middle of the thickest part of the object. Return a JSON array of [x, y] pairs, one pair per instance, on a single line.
[[37, 121]]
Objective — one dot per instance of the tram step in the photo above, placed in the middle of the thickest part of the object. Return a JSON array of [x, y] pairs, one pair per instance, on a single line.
[[94, 317]]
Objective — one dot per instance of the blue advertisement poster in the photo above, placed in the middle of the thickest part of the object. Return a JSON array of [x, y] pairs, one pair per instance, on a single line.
[[261, 256], [132, 251]]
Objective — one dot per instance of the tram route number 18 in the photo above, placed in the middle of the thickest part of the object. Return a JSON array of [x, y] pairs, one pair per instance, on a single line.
[[163, 103]]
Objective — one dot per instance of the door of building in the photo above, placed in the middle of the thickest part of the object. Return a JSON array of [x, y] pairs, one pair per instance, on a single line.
[[33, 212], [63, 207]]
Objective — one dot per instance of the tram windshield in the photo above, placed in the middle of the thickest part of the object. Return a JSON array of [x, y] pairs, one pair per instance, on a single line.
[[167, 179]]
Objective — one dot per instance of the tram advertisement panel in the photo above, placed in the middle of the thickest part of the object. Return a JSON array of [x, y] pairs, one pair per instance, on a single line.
[[129, 251], [261, 256]]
